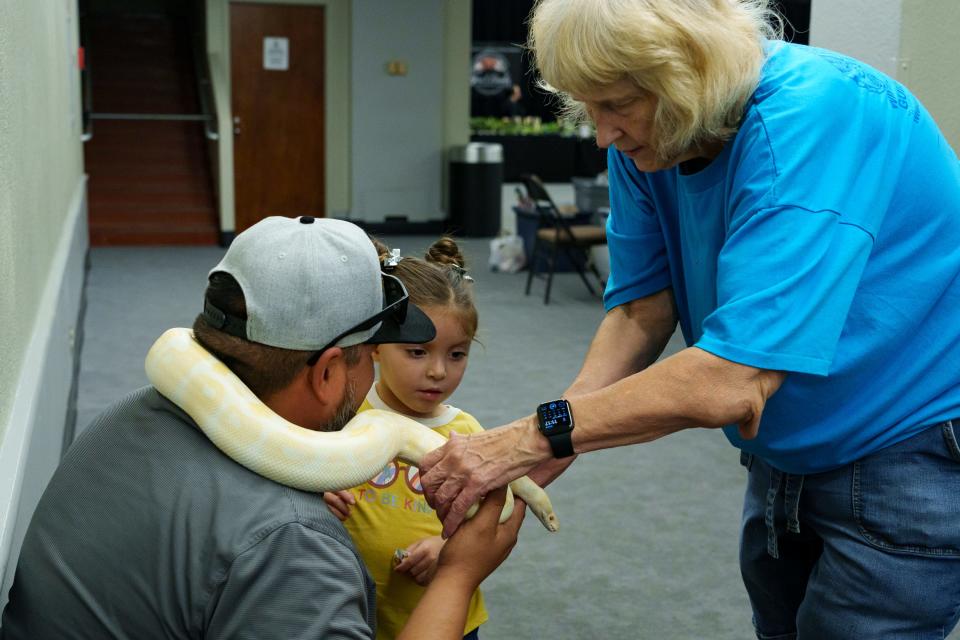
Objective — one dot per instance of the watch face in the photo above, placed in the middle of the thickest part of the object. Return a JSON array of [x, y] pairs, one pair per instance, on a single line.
[[555, 417]]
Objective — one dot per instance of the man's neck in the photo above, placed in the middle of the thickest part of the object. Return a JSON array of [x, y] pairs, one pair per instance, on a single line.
[[291, 405]]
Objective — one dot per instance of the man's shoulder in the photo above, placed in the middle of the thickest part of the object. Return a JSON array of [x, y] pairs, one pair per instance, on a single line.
[[289, 521], [152, 442], [140, 405], [310, 511]]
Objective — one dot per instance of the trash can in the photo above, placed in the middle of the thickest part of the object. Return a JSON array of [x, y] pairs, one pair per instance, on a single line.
[[476, 182], [591, 194]]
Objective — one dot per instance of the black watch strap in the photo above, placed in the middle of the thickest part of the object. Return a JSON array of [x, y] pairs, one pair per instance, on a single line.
[[561, 444]]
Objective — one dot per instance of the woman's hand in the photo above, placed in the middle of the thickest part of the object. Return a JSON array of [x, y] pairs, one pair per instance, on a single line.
[[456, 475]]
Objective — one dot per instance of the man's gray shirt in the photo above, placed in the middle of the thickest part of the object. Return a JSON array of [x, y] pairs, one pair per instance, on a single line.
[[148, 531]]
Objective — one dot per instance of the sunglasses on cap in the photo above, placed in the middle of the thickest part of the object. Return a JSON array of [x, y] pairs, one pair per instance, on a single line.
[[395, 300]]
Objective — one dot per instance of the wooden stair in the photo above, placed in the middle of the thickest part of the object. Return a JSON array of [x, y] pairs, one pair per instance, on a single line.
[[150, 180]]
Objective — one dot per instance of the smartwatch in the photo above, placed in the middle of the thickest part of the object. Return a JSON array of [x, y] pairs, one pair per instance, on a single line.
[[555, 421]]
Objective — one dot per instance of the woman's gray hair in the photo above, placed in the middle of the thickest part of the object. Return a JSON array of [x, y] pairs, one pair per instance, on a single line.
[[700, 58]]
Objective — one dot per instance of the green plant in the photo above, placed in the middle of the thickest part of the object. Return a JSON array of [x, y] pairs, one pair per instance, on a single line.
[[528, 126]]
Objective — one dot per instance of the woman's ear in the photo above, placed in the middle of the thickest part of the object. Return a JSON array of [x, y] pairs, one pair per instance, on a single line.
[[376, 353]]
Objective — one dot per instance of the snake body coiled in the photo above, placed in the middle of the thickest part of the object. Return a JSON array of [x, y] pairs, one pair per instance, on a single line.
[[246, 430]]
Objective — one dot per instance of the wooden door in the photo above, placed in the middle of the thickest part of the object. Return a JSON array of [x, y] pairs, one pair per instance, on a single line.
[[277, 62]]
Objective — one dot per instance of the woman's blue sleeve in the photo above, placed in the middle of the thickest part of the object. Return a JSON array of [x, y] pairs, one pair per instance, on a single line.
[[638, 254]]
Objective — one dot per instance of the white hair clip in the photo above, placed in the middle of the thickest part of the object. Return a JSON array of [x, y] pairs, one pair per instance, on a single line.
[[463, 272], [391, 261]]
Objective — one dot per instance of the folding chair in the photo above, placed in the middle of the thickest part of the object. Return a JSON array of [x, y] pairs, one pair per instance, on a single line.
[[556, 234]]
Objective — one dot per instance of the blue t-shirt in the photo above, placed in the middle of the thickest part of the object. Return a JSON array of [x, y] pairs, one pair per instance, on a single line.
[[823, 241]]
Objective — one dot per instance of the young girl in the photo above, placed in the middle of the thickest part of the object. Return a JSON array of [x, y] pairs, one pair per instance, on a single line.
[[395, 530]]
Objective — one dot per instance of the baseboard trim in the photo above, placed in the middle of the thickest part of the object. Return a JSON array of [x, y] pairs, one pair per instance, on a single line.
[[33, 440], [70, 426]]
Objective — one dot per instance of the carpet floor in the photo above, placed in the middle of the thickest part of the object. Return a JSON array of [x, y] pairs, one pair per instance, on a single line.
[[649, 533]]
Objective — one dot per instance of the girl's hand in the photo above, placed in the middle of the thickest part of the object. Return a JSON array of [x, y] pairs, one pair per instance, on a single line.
[[339, 503], [421, 560]]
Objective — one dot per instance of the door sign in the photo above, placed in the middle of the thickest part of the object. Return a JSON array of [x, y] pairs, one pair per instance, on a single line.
[[276, 54]]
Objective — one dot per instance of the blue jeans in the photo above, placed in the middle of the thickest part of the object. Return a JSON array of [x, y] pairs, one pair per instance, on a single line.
[[473, 635], [870, 550]]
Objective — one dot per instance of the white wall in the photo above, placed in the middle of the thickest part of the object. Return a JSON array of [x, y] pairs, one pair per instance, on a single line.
[[930, 60], [457, 40], [34, 441], [914, 41], [43, 242], [868, 30], [397, 125]]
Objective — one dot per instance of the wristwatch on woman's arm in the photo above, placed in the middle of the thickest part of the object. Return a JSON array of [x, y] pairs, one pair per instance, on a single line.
[[555, 421]]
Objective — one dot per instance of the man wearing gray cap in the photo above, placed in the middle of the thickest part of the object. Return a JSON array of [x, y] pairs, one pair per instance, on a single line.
[[147, 530]]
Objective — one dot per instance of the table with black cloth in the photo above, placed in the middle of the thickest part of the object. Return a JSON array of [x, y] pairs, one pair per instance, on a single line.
[[554, 158]]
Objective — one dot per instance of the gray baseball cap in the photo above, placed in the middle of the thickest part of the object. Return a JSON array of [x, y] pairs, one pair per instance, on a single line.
[[313, 283]]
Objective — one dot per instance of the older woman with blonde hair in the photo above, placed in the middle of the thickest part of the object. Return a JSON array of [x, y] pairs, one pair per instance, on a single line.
[[797, 213]]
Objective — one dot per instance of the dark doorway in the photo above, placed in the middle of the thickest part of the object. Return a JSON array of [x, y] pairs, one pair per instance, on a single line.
[[146, 144]]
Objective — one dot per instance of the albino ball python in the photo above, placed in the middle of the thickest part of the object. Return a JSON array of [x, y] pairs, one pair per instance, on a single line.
[[244, 428]]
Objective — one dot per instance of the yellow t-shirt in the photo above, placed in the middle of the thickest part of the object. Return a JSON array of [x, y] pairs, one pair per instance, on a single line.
[[391, 513]]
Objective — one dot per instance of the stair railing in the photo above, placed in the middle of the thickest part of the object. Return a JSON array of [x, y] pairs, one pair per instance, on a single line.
[[204, 89], [86, 88]]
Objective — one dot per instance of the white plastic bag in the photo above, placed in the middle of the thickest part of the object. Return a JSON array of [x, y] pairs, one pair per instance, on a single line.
[[506, 253]]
